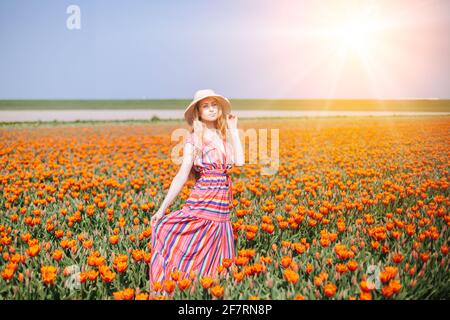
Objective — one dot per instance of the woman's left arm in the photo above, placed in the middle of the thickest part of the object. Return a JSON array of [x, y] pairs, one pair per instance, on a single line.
[[235, 140]]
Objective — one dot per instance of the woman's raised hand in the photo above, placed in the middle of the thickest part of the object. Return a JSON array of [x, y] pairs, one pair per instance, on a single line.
[[232, 121], [156, 217]]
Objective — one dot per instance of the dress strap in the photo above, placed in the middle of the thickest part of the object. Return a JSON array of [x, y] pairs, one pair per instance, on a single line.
[[224, 153], [229, 180]]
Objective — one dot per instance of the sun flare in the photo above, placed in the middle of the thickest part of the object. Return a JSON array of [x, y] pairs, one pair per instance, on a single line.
[[354, 43], [355, 31], [355, 35]]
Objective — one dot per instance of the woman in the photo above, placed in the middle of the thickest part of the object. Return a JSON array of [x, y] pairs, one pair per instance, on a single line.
[[196, 239]]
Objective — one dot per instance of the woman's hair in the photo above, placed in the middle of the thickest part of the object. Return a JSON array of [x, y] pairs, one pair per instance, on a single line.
[[197, 129]]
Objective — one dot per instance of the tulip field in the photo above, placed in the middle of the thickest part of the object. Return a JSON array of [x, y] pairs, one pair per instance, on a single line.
[[358, 209]]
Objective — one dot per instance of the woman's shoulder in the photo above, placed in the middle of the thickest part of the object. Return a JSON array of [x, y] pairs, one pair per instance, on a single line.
[[190, 138]]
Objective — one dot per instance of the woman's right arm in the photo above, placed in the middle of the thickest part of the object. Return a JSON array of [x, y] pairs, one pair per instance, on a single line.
[[180, 178]]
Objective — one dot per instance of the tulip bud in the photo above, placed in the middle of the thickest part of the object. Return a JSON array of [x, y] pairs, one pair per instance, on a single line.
[[67, 271], [317, 294], [269, 283]]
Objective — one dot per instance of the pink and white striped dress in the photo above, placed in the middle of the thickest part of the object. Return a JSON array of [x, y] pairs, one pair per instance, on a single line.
[[199, 236]]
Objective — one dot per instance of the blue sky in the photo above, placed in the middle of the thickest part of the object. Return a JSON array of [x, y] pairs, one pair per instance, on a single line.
[[242, 49]]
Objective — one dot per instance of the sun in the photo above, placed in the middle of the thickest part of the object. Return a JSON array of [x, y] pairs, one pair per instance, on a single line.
[[355, 35], [354, 30], [359, 48], [351, 42]]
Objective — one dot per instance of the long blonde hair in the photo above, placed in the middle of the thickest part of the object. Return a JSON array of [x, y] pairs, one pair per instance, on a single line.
[[197, 129]]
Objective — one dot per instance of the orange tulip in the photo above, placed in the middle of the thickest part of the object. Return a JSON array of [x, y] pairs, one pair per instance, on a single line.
[[57, 255], [114, 239], [397, 258], [217, 291], [250, 235], [324, 242], [206, 282], [92, 275], [387, 291], [128, 294], [341, 268], [291, 276], [106, 274], [87, 244], [118, 295], [286, 261], [424, 256], [7, 274], [352, 265], [395, 285], [169, 286], [142, 296], [299, 248], [157, 286], [184, 284], [364, 286], [329, 290], [33, 250], [48, 274], [238, 276], [365, 295], [137, 255]]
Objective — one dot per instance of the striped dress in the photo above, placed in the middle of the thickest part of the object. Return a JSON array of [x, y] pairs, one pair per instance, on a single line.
[[199, 236]]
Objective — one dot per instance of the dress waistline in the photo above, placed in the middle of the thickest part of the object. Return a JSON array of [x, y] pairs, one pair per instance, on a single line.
[[217, 217], [228, 180]]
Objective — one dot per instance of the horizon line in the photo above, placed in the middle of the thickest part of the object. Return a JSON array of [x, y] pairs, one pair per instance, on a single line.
[[285, 99]]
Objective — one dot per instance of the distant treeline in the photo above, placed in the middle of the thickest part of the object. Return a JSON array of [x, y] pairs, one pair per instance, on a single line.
[[419, 105]]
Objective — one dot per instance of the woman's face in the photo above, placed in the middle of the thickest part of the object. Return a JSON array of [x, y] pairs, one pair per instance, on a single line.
[[209, 109]]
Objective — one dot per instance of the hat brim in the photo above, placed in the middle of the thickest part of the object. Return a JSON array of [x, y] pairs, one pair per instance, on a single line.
[[189, 112]]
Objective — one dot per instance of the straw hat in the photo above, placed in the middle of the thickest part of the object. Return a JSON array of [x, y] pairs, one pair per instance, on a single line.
[[201, 94]]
